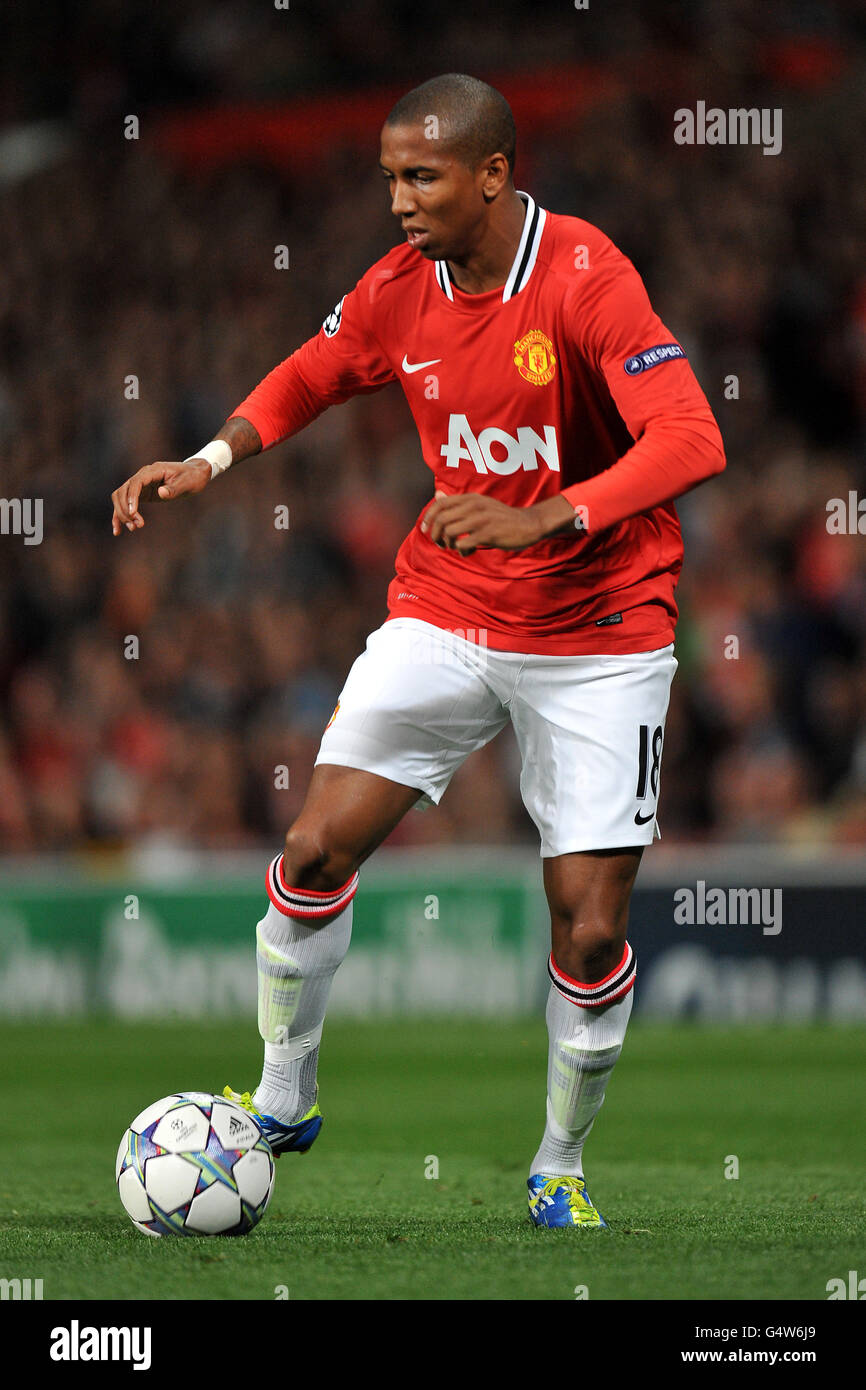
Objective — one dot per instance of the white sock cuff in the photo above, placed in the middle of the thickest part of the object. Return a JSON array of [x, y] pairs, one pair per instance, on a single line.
[[591, 996], [307, 904]]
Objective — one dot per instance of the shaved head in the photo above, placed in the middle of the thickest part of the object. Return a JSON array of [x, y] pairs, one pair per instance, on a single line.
[[472, 119]]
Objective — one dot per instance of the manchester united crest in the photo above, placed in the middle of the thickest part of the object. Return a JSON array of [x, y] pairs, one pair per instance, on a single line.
[[534, 358]]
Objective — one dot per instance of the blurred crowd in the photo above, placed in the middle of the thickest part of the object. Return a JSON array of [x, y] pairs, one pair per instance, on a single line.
[[140, 302]]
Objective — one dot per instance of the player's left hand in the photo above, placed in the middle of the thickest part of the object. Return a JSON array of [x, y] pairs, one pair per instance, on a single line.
[[470, 520]]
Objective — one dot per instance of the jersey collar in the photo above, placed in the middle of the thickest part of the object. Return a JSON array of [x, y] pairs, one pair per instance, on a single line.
[[524, 261]]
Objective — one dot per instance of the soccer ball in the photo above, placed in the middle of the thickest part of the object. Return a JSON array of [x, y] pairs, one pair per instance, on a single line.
[[193, 1164]]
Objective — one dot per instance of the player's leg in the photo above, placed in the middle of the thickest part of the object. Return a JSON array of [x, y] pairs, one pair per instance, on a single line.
[[588, 895], [414, 705], [346, 815], [590, 737], [591, 969], [303, 937]]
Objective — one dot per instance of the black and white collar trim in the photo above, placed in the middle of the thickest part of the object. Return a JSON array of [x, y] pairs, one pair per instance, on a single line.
[[524, 260]]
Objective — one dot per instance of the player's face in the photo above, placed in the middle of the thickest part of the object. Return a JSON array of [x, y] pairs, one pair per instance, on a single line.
[[439, 201]]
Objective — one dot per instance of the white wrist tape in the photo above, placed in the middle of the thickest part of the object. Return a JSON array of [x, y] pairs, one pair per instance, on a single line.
[[218, 454]]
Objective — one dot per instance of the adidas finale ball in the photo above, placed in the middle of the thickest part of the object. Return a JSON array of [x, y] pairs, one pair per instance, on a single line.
[[193, 1164]]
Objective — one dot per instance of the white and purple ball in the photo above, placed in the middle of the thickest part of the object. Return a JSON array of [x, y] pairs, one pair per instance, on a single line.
[[193, 1164]]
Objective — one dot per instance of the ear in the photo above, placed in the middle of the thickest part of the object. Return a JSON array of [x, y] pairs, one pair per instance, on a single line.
[[495, 177]]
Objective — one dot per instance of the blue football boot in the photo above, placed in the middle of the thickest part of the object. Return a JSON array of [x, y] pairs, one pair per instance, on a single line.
[[283, 1139], [562, 1202]]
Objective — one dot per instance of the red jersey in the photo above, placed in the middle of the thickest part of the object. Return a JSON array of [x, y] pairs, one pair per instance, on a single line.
[[562, 380]]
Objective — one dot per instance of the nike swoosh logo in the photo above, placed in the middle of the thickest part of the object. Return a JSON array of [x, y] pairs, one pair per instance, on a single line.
[[642, 820], [410, 367]]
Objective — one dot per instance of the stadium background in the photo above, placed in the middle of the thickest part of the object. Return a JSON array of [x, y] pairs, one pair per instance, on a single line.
[[141, 796], [152, 260]]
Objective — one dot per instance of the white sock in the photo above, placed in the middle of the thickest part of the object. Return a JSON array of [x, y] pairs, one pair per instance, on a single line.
[[296, 967], [585, 1044]]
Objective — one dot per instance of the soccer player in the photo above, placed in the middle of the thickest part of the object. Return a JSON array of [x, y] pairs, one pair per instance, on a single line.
[[560, 419]]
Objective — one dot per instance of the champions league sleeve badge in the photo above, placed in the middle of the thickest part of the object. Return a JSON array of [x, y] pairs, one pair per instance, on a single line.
[[334, 319]]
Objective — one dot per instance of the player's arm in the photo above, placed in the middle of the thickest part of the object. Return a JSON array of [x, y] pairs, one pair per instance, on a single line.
[[161, 482], [342, 360], [677, 441], [345, 358]]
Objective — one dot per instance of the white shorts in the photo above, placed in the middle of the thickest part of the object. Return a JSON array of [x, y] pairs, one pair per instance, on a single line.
[[589, 729]]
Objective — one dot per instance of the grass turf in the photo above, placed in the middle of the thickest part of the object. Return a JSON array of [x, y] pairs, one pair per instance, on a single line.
[[356, 1218]]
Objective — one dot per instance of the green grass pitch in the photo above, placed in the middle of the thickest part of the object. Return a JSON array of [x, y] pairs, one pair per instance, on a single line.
[[356, 1217]]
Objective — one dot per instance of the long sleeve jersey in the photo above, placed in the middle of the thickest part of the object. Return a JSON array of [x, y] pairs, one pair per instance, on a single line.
[[564, 380]]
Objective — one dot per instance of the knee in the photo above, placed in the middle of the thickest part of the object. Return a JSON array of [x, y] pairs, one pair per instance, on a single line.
[[597, 939], [313, 860], [588, 946]]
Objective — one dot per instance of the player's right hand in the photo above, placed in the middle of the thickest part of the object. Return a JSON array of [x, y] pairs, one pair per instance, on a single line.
[[158, 482], [441, 544]]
